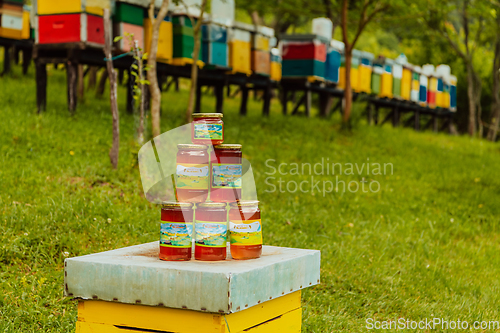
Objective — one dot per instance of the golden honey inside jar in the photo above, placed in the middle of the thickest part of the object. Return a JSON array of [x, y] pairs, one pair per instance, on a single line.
[[245, 230], [192, 173], [176, 231], [225, 173], [207, 128], [210, 231]]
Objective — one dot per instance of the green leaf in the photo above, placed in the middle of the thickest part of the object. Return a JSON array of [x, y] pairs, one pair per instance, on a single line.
[[117, 38], [134, 66], [145, 56]]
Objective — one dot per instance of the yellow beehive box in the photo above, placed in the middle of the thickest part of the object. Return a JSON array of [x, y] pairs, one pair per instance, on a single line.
[[165, 41], [386, 85], [96, 7], [354, 78], [433, 84], [239, 57], [406, 84], [275, 71], [25, 32], [365, 75]]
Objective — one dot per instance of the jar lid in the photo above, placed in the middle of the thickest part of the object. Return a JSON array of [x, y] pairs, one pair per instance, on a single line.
[[175, 204], [211, 205], [229, 146], [244, 203], [191, 146], [208, 115]]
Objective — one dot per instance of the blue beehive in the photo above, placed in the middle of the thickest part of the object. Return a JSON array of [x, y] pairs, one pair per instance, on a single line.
[[214, 47], [333, 61]]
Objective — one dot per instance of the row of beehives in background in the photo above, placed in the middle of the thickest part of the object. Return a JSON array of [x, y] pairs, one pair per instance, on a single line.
[[14, 20], [243, 48], [319, 57]]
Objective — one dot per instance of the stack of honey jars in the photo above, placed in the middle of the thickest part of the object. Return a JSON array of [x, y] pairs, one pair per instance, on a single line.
[[208, 191]]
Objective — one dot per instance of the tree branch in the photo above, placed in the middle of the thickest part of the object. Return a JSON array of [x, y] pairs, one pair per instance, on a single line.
[[365, 20]]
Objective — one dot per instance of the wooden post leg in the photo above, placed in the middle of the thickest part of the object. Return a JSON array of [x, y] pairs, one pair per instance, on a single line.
[[266, 107], [376, 115], [197, 105], [102, 84], [121, 73], [26, 59], [41, 86], [15, 53], [244, 100], [176, 83], [308, 103], [370, 113], [7, 61], [417, 120], [219, 98], [72, 84], [435, 123], [395, 117], [81, 83], [284, 101], [130, 91]]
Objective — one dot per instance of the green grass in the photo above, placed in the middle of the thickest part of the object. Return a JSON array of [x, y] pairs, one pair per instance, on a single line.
[[426, 244]]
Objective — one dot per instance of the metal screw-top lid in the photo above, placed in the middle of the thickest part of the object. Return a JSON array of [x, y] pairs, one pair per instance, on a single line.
[[244, 203], [229, 146], [175, 204], [208, 115], [191, 146], [211, 205]]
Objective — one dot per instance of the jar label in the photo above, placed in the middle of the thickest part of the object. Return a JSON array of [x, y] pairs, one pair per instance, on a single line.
[[245, 232], [208, 131], [226, 175], [176, 234], [211, 234], [192, 176]]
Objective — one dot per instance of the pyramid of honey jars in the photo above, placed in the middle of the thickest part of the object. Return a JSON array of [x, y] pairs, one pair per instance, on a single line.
[[208, 204]]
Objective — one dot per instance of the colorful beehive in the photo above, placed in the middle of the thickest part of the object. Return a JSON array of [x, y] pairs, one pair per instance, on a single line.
[[333, 61], [51, 7], [443, 86], [453, 92], [355, 61], [304, 56], [131, 290], [26, 31], [415, 84], [429, 71], [397, 77], [275, 64], [165, 39], [70, 21], [70, 28], [240, 48], [365, 72], [214, 47], [183, 40], [261, 51], [12, 20], [406, 82], [128, 19], [323, 27], [424, 81], [376, 81], [386, 83]]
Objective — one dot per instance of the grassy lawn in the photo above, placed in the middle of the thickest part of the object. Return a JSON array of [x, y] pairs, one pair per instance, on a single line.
[[427, 244]]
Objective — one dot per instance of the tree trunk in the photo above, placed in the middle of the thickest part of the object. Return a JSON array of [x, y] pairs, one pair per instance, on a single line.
[[114, 152], [194, 66], [472, 100], [140, 129], [151, 74], [348, 89], [495, 105]]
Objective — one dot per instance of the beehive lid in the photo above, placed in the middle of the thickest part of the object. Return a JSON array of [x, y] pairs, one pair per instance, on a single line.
[[135, 275], [304, 37]]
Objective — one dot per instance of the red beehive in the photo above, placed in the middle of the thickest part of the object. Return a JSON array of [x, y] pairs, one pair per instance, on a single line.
[[70, 28], [261, 62], [304, 50]]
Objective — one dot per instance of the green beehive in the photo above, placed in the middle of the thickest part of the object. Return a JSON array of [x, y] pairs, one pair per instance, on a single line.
[[376, 79], [183, 20], [128, 13], [183, 41]]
